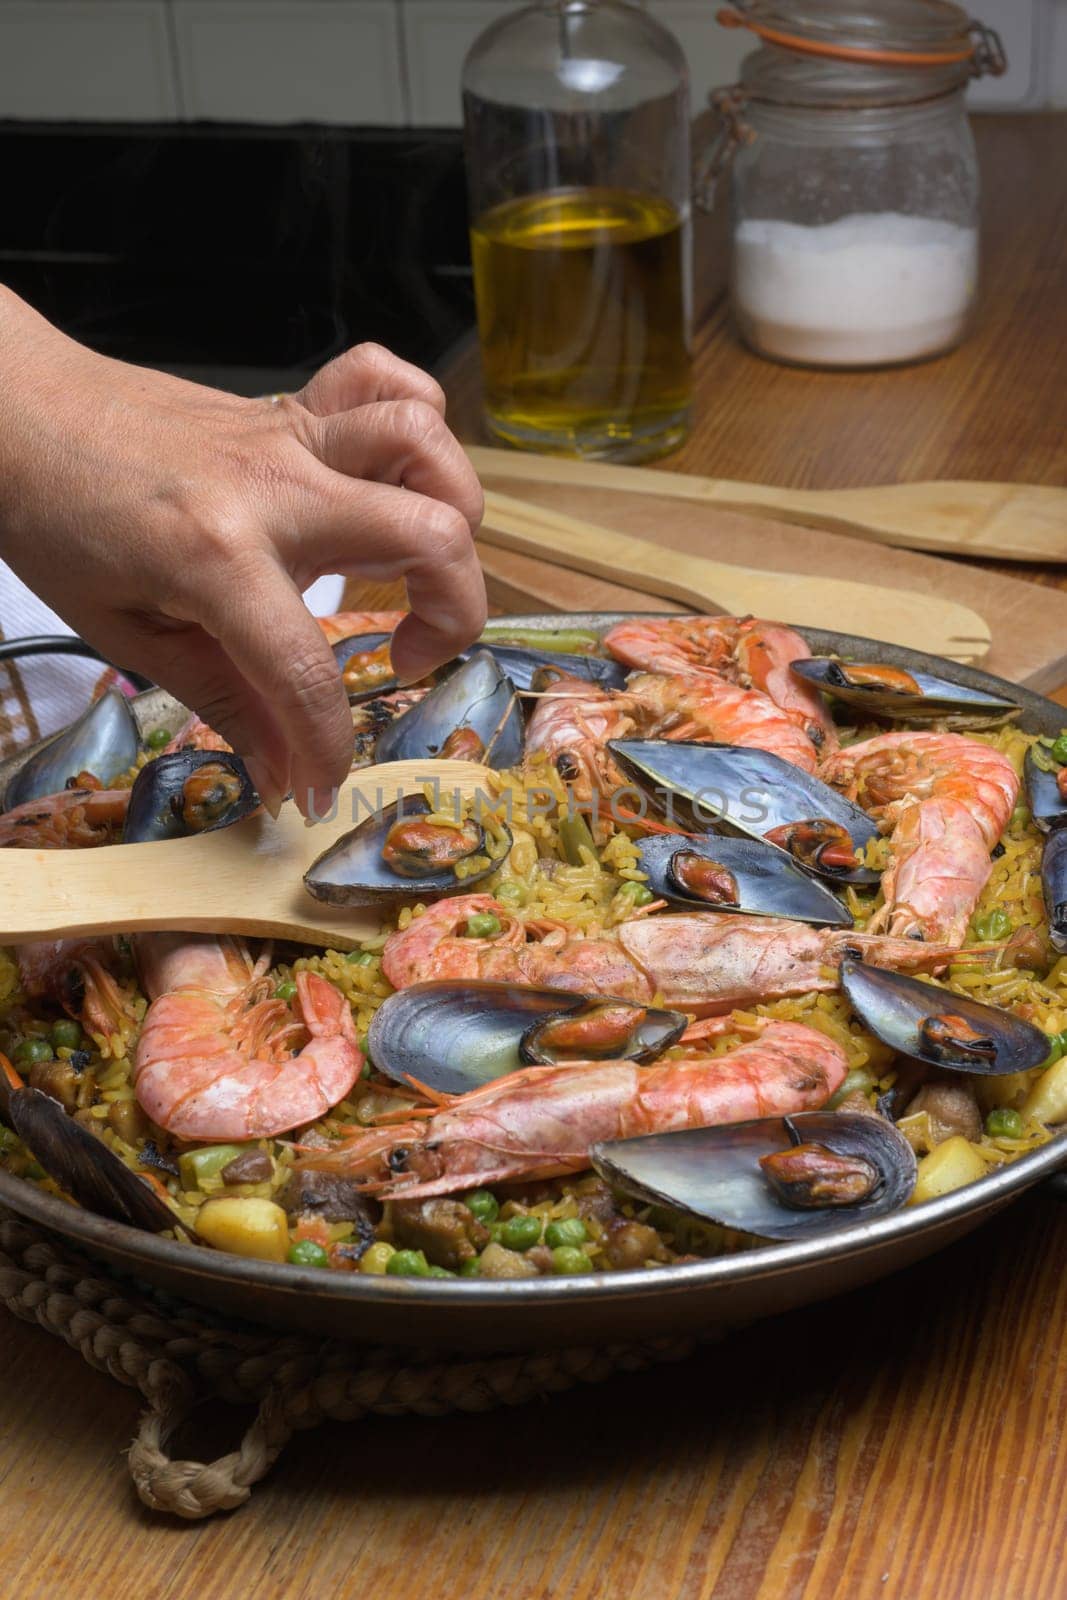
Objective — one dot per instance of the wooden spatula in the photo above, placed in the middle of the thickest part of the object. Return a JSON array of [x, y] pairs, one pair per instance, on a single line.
[[244, 879], [1006, 521], [899, 616]]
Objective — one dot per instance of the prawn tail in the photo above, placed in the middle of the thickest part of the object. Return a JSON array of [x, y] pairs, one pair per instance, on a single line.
[[363, 1153]]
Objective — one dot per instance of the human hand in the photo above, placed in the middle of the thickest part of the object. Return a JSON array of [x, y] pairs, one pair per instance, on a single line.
[[174, 527]]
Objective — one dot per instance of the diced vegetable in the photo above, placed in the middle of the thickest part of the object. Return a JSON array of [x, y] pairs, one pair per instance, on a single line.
[[858, 1080], [996, 924], [245, 1226], [361, 958], [511, 893], [196, 1165], [639, 893], [574, 837], [375, 1259], [1047, 1100], [949, 1166], [471, 1268]]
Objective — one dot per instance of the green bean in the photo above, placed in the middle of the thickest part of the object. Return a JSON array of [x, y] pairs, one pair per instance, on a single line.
[[567, 641], [574, 836], [196, 1165], [858, 1079]]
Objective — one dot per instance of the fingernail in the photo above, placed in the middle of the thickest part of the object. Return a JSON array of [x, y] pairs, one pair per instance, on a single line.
[[264, 786], [318, 805]]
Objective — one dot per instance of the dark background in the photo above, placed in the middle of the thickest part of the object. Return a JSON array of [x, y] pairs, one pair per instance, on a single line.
[[239, 257]]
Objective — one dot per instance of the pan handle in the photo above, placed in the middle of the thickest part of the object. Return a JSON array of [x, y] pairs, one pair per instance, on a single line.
[[64, 644]]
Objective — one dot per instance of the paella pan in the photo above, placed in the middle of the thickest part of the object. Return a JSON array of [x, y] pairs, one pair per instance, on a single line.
[[644, 898]]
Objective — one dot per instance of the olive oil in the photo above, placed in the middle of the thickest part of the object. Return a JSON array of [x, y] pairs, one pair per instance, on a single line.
[[583, 315]]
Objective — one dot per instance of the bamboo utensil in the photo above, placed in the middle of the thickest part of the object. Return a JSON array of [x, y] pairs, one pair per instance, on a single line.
[[899, 616], [243, 879], [1005, 521]]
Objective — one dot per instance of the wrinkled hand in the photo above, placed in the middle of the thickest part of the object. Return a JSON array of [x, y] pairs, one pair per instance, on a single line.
[[174, 526]]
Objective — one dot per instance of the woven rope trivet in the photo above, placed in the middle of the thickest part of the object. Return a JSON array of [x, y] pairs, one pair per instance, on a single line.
[[180, 1356]]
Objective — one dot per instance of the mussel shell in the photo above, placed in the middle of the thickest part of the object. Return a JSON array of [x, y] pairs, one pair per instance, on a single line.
[[937, 697], [1047, 806], [768, 883], [476, 696], [103, 741], [531, 669], [353, 872], [751, 791], [359, 644], [896, 1009], [1054, 885], [155, 807], [453, 1037], [83, 1166], [714, 1173]]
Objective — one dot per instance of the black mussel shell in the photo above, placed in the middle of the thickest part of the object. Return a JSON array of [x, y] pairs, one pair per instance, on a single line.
[[938, 1027], [374, 676], [716, 1173], [103, 741], [537, 670], [888, 691], [386, 856], [1047, 806], [83, 1166], [473, 715], [1054, 884], [751, 792], [189, 791], [453, 1037], [720, 874]]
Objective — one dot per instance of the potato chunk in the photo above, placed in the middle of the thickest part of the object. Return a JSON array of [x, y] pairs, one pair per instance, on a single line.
[[246, 1226]]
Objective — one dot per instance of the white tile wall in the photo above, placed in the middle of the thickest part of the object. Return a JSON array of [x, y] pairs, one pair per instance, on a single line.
[[384, 62], [280, 61], [95, 60]]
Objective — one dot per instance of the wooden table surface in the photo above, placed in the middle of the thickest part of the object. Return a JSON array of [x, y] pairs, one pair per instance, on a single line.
[[909, 1440]]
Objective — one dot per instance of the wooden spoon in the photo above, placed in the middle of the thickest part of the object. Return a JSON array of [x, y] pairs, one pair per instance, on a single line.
[[1007, 521], [898, 616], [243, 879]]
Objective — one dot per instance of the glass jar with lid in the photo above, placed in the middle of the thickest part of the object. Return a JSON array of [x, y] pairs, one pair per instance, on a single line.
[[854, 179], [577, 142]]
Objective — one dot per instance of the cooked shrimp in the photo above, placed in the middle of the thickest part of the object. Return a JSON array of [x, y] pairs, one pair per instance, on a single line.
[[542, 1121], [73, 819], [79, 975], [710, 962], [196, 735], [572, 724], [945, 800], [434, 945], [765, 652], [220, 1057], [708, 708], [344, 624], [683, 645]]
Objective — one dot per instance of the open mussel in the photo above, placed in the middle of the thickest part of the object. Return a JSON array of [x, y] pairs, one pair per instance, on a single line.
[[474, 715], [938, 1027], [534, 671], [721, 874], [188, 791], [366, 665], [453, 1037], [1047, 801], [400, 852], [795, 1177], [79, 1163], [754, 793], [104, 742], [1054, 885], [887, 691]]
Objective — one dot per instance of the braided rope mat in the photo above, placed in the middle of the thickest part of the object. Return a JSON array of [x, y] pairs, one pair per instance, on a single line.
[[179, 1356]]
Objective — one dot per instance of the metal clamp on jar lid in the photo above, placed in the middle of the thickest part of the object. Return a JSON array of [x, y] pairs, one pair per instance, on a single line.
[[855, 185]]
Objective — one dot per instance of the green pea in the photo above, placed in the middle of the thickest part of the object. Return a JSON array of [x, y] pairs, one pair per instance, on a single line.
[[408, 1264], [639, 893], [521, 1233], [30, 1050], [285, 991], [306, 1253], [484, 1204], [511, 893], [1059, 749], [361, 958], [471, 1268], [66, 1034], [158, 738], [996, 924], [858, 1078], [566, 1259], [1004, 1123], [570, 1231], [439, 1272], [483, 925]]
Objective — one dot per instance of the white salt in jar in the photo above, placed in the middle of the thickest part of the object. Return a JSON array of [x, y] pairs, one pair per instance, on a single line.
[[854, 180]]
